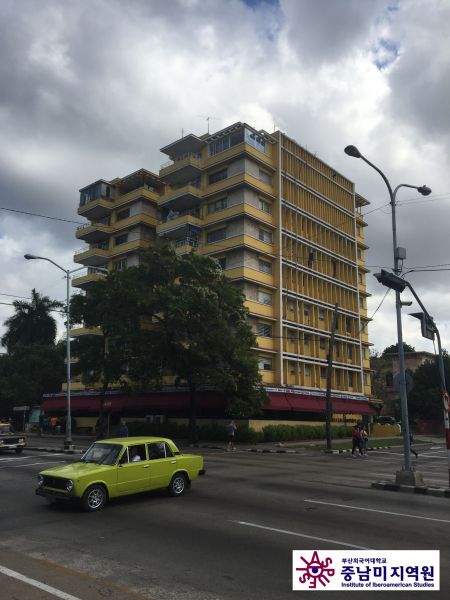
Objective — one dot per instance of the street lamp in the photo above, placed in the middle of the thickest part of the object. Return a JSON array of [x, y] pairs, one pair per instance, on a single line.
[[68, 444], [399, 254]]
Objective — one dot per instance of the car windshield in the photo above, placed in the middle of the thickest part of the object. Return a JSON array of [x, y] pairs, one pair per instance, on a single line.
[[5, 428], [102, 454]]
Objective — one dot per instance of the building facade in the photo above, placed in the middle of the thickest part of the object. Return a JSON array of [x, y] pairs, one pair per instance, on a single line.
[[284, 226]]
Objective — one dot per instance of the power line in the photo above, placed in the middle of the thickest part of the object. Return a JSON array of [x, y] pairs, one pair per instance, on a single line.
[[24, 212]]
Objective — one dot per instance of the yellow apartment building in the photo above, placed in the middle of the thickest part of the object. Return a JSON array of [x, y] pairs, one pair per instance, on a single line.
[[286, 227]]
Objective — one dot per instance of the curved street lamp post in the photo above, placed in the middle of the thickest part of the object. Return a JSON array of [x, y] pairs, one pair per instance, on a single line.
[[68, 444], [408, 475]]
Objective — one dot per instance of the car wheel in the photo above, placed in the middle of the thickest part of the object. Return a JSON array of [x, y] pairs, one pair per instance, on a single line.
[[19, 450], [178, 485], [94, 498]]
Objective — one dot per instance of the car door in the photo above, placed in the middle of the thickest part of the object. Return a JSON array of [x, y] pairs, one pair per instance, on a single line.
[[162, 464], [133, 475]]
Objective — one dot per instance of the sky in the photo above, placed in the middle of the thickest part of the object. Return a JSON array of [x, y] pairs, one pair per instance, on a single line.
[[91, 89]]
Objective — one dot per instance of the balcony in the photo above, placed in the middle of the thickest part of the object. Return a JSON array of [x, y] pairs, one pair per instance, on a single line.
[[131, 246], [96, 209], [260, 309], [181, 225], [182, 197], [96, 256], [181, 169], [93, 233], [87, 277], [186, 245]]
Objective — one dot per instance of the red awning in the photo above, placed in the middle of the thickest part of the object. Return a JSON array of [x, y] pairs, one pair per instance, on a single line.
[[303, 403]]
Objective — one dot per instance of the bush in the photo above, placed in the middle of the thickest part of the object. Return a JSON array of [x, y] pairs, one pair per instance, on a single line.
[[244, 433]]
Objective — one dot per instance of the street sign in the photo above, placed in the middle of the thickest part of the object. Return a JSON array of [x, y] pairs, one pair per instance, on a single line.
[[408, 379], [20, 408], [427, 325]]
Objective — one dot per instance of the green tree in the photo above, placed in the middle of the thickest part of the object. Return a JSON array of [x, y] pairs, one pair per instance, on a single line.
[[28, 373], [32, 324], [425, 399], [199, 331], [394, 349]]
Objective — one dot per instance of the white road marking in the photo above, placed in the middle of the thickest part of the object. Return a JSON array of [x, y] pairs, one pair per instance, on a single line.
[[21, 457], [50, 462], [385, 512], [302, 535], [42, 586]]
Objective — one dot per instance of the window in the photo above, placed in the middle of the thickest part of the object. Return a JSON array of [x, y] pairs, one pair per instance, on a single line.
[[264, 297], [333, 268], [350, 379], [265, 236], [307, 371], [322, 343], [222, 262], [135, 453], [338, 377], [306, 312], [218, 176], [348, 324], [323, 373], [306, 339], [217, 205], [291, 368], [265, 206], [265, 177], [255, 140], [321, 314], [121, 239], [264, 266], [360, 277], [264, 330], [265, 364], [359, 253], [123, 214], [337, 348], [366, 379], [311, 259], [349, 351], [216, 235], [120, 265], [158, 450]]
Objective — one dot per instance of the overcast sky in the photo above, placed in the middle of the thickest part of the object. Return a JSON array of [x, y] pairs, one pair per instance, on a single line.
[[92, 89]]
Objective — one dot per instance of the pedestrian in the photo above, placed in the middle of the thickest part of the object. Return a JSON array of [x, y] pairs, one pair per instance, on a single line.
[[53, 423], [231, 432], [410, 446], [356, 440], [123, 431], [364, 441]]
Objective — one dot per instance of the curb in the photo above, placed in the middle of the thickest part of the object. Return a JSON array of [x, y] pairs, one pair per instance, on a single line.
[[412, 489], [347, 450], [54, 450]]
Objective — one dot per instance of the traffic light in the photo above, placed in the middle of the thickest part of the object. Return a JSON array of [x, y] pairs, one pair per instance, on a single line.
[[426, 324], [391, 281]]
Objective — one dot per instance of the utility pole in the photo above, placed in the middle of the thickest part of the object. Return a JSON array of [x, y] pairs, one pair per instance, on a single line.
[[329, 406]]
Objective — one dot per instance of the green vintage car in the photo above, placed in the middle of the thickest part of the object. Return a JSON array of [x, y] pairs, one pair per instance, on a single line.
[[119, 467]]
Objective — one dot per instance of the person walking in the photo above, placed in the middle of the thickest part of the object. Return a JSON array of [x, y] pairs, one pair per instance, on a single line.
[[123, 431], [356, 440], [231, 432], [364, 441]]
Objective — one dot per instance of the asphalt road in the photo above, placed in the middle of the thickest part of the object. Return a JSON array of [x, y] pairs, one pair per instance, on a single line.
[[230, 537]]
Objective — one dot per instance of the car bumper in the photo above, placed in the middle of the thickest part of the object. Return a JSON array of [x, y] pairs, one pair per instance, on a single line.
[[55, 495], [11, 446]]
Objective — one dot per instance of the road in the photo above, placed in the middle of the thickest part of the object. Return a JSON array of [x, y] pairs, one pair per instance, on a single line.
[[230, 537]]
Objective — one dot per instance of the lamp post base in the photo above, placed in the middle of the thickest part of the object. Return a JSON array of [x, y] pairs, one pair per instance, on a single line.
[[68, 445], [405, 477]]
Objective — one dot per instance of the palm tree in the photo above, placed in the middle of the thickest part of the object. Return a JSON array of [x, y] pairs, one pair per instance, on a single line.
[[32, 323]]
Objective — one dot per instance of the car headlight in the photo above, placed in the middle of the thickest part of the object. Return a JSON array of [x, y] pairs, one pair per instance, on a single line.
[[40, 480], [69, 485], [21, 440]]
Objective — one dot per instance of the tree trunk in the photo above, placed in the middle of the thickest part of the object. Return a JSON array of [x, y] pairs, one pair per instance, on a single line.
[[193, 437]]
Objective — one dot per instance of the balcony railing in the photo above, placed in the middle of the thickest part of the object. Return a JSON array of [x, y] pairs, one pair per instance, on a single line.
[[169, 163], [176, 214], [193, 242]]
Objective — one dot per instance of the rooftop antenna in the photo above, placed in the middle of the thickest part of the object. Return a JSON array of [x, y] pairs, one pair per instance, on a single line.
[[208, 119]]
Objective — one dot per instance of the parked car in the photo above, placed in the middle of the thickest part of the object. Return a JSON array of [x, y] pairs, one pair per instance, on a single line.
[[9, 440], [386, 420], [119, 467]]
